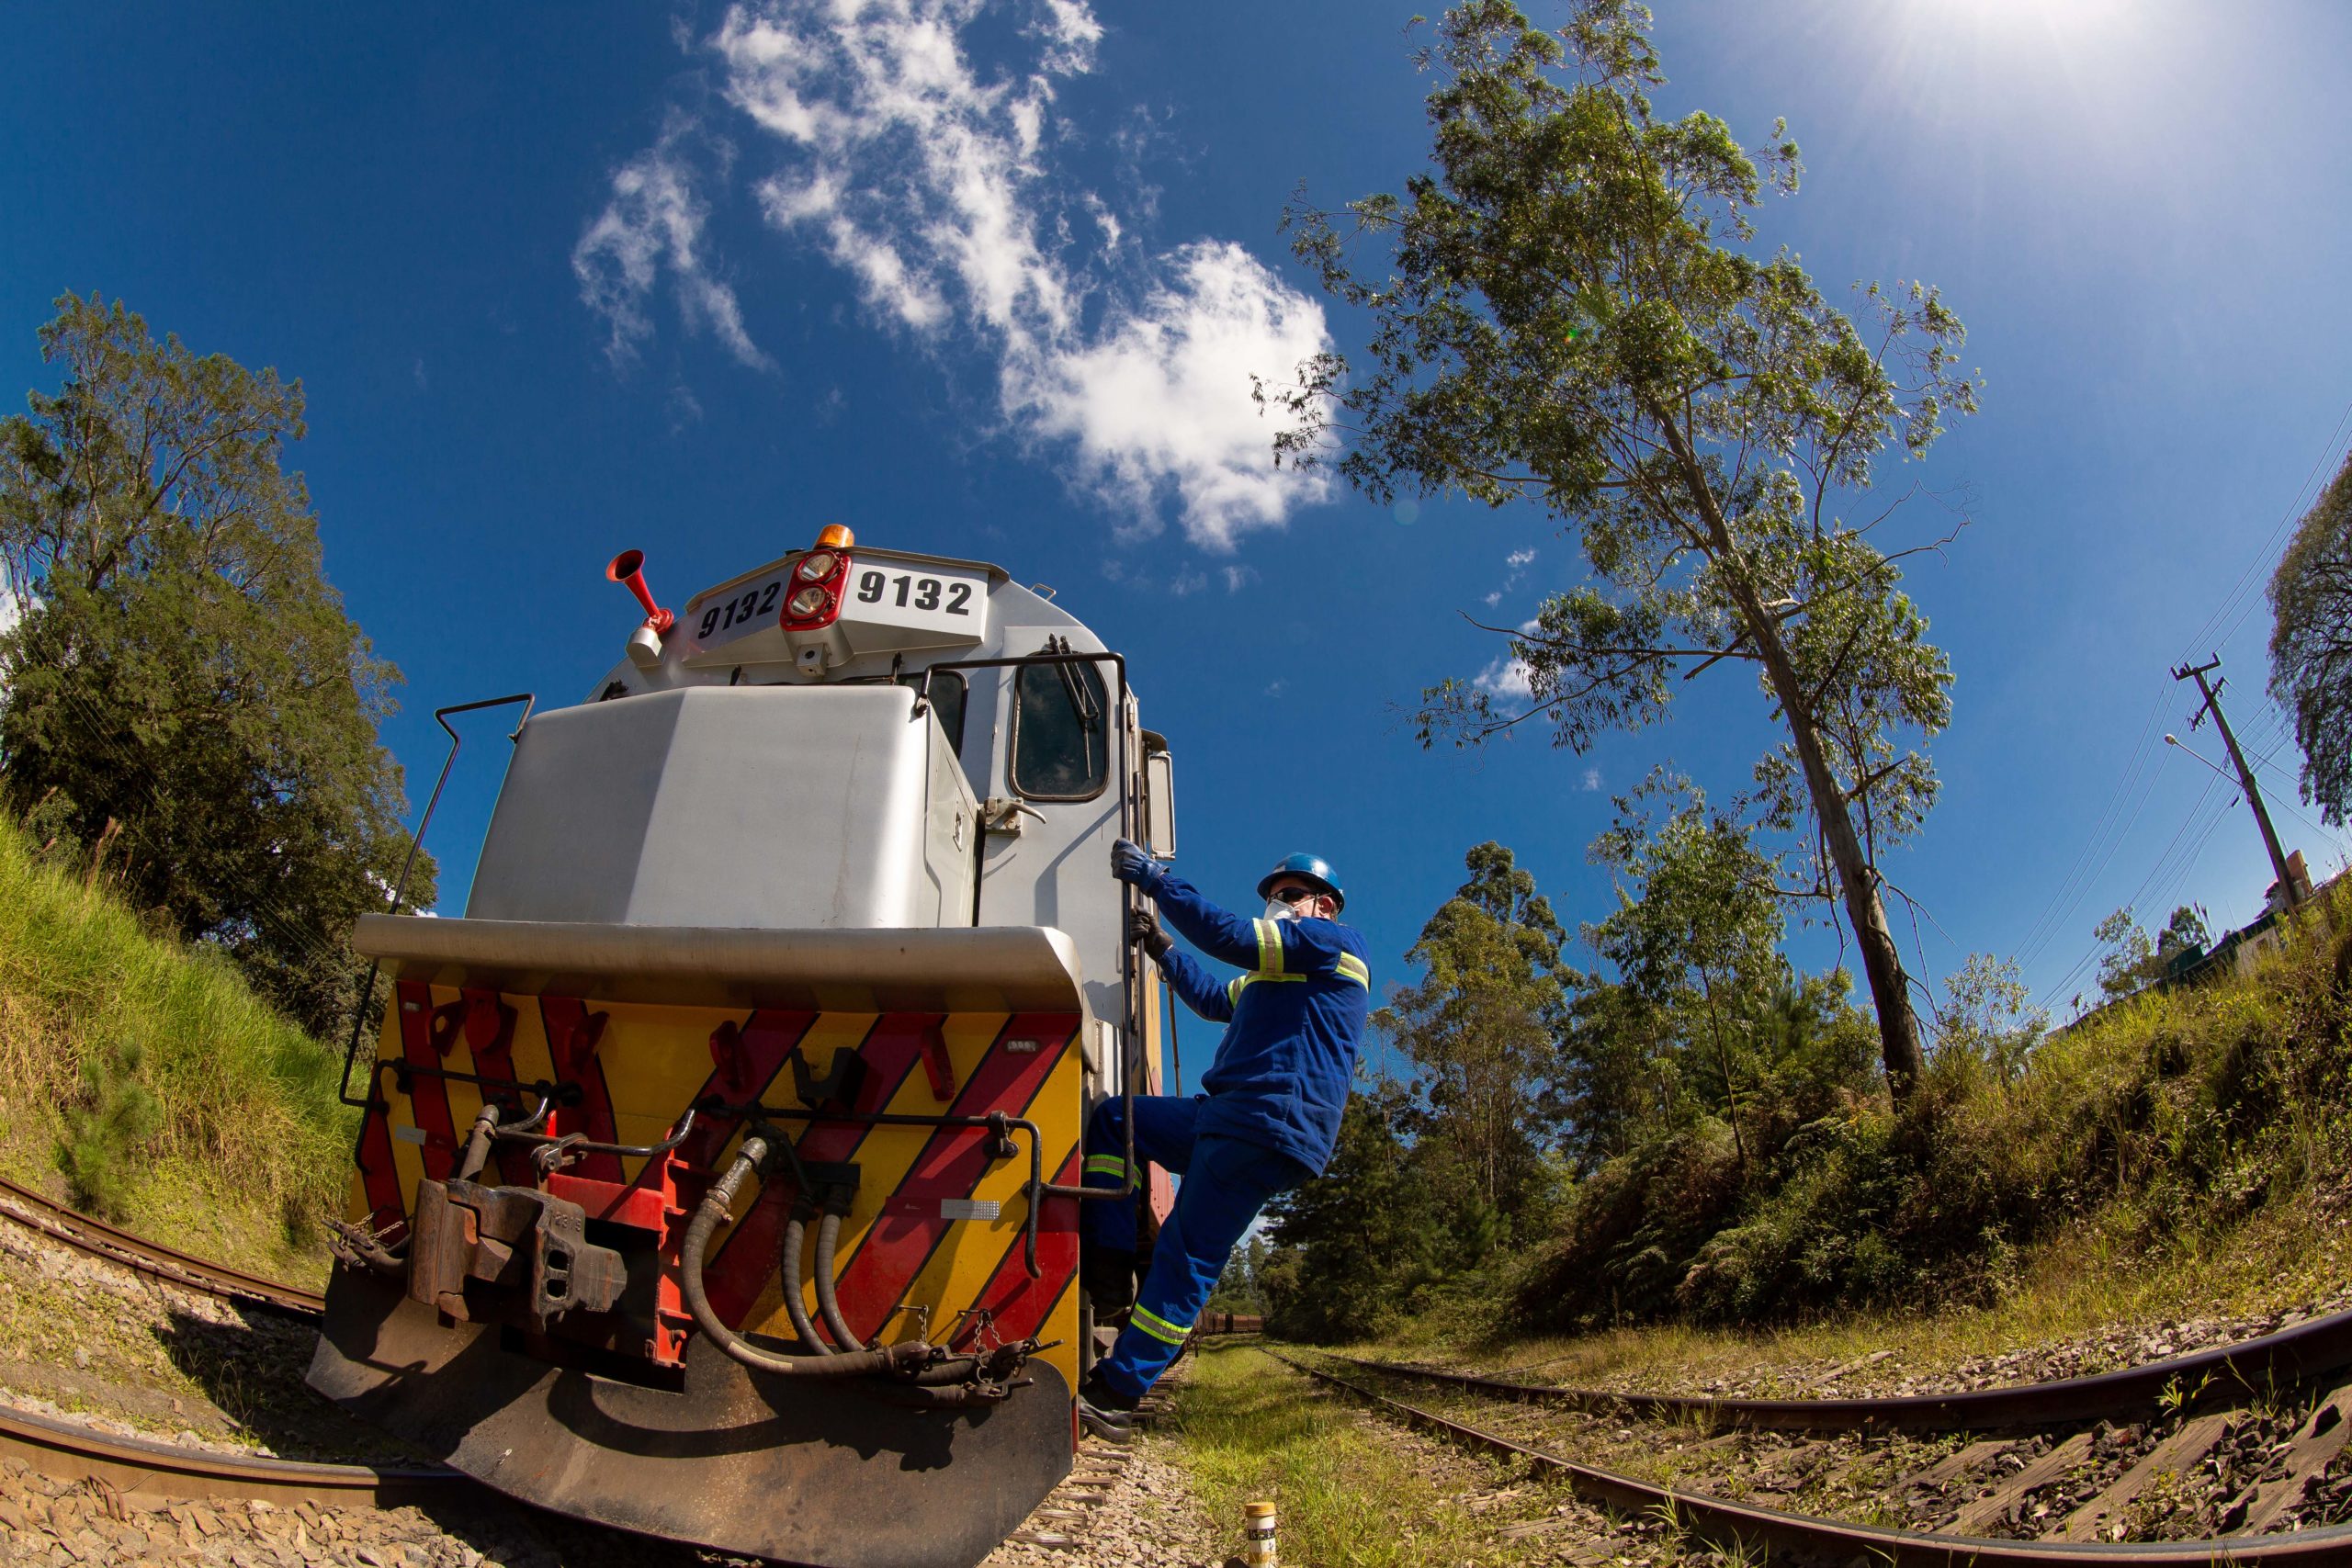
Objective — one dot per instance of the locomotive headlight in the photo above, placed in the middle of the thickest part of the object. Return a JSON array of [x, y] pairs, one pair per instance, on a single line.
[[805, 603], [818, 565]]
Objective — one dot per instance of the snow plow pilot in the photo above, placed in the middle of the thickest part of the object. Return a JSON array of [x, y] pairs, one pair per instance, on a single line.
[[1267, 1123]]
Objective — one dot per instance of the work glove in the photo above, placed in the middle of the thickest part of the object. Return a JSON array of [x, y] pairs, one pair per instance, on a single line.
[[1130, 864], [1142, 928]]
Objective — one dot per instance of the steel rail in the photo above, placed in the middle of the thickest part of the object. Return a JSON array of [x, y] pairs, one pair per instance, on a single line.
[[65, 1451], [2255, 1367], [1741, 1530], [152, 1258]]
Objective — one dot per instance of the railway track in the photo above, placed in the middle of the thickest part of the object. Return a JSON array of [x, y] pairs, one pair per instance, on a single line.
[[1996, 1483], [2250, 1369], [2169, 1398], [142, 1468], [98, 1238]]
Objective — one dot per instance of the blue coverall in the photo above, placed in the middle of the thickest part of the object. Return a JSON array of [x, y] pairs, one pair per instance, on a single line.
[[1267, 1123]]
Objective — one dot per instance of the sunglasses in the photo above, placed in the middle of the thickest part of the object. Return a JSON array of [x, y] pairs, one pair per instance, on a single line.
[[1293, 895]]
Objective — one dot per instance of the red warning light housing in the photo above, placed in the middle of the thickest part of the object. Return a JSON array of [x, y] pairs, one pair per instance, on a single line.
[[816, 583]]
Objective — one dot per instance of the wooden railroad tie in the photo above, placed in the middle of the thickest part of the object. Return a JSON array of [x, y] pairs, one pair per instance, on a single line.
[[1987, 1511], [2175, 1455]]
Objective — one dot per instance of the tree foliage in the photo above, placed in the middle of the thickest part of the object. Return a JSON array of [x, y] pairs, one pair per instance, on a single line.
[[1355, 1243], [1566, 313], [180, 665], [1482, 1027], [1695, 938], [2311, 645], [2131, 960], [1988, 1016]]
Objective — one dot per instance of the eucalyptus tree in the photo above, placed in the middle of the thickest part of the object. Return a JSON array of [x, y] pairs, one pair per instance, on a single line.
[[179, 668], [1696, 936], [1566, 313], [1483, 1025], [2311, 645]]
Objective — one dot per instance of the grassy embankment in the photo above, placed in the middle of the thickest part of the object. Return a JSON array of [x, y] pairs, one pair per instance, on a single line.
[[1345, 1490], [2186, 1154], [142, 1072]]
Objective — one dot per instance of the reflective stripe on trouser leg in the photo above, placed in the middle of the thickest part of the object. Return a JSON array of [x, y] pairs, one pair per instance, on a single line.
[[1102, 1222], [1228, 1184]]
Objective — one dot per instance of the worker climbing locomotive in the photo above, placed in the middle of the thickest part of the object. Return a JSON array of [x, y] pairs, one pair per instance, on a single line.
[[719, 1175]]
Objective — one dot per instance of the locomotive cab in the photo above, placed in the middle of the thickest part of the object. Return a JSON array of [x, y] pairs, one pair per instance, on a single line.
[[718, 1175]]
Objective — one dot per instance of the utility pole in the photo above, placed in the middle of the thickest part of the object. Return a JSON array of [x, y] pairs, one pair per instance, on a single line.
[[2212, 705]]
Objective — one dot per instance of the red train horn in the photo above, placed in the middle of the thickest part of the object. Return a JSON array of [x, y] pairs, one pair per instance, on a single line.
[[628, 570]]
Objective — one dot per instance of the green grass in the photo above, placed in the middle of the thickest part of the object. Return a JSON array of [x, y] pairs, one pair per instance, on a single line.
[[251, 1150], [1346, 1491], [2188, 1154], [2088, 1280]]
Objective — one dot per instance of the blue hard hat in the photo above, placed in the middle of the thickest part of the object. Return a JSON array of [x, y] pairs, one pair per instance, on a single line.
[[1307, 868]]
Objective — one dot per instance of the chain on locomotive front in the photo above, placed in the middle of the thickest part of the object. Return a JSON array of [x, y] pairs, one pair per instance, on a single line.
[[718, 1175]]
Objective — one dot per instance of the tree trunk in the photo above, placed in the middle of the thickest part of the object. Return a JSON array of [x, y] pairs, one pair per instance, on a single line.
[[1898, 1027]]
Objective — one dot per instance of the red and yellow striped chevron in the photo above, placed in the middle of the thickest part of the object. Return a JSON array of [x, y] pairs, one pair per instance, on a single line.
[[909, 1264]]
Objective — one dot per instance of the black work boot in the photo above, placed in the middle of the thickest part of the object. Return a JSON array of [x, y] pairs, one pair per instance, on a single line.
[[1105, 1412]]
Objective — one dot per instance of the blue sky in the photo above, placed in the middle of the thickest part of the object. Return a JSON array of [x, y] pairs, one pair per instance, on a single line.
[[989, 280]]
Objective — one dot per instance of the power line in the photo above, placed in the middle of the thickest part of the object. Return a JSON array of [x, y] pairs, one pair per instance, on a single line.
[[2269, 549], [2188, 823], [2144, 777], [2052, 913]]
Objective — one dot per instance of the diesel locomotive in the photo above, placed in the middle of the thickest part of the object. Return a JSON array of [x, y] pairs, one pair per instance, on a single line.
[[718, 1175]]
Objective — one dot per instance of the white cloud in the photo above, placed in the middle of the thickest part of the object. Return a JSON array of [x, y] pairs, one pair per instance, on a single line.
[[935, 184], [1236, 578], [1188, 583], [1505, 677], [1517, 562], [1508, 676], [1591, 780], [1158, 402], [653, 222]]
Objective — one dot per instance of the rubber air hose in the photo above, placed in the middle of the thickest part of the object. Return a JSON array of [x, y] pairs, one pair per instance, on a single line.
[[828, 1234], [796, 1231], [716, 1205]]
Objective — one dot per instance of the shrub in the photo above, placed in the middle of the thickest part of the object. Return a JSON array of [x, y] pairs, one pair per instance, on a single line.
[[110, 1130], [2175, 1111]]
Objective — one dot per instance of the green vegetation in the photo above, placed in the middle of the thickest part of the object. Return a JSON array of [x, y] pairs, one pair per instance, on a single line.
[[184, 694], [1348, 1494], [147, 1072], [1568, 312], [2174, 1150], [2311, 645]]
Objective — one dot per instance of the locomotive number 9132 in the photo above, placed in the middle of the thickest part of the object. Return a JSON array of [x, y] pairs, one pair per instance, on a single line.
[[927, 592]]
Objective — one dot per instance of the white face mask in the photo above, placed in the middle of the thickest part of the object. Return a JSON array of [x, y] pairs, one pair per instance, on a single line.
[[1277, 911]]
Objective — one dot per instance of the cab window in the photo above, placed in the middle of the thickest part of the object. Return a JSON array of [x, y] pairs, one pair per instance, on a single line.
[[947, 694], [1061, 732]]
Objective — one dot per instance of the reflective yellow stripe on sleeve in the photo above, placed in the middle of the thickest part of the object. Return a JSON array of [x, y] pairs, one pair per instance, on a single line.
[[1270, 947], [1351, 967], [1159, 1327], [1107, 1165], [1241, 983]]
